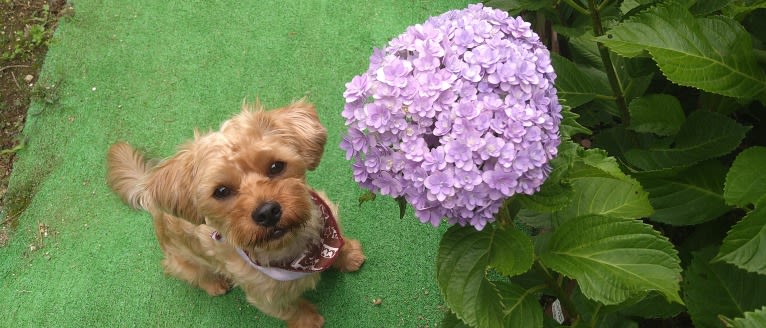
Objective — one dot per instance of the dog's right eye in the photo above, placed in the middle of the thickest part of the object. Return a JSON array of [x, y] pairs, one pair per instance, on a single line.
[[221, 192], [276, 168]]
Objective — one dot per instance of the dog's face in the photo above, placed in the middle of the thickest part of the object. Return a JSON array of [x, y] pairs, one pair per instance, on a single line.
[[248, 179]]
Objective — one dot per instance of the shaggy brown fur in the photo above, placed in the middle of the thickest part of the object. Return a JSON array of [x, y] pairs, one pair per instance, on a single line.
[[217, 183]]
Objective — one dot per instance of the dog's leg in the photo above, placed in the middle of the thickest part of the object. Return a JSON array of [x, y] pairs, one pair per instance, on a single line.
[[351, 256], [186, 253], [306, 317], [196, 275], [297, 314]]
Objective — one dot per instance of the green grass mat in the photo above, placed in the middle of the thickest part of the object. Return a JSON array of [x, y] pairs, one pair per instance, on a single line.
[[149, 72]]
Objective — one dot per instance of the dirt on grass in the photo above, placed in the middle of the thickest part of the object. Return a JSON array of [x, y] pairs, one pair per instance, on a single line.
[[26, 27]]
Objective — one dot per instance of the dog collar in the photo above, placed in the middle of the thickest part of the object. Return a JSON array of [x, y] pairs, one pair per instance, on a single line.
[[316, 258]]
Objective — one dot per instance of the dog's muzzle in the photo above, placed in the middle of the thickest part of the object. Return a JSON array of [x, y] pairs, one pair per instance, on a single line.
[[267, 214]]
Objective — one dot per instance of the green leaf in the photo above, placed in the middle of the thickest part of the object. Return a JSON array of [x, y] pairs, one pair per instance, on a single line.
[[629, 5], [745, 244], [713, 289], [451, 321], [714, 54], [366, 197], [600, 187], [462, 261], [584, 50], [745, 182], [606, 196], [569, 124], [516, 5], [651, 305], [614, 259], [567, 154], [577, 85], [703, 8], [595, 163], [739, 9], [717, 103], [635, 75], [755, 319], [551, 197], [692, 196], [510, 250], [703, 136], [402, 206], [659, 114], [522, 307]]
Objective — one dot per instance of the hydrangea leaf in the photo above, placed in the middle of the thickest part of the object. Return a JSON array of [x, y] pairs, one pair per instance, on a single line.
[[704, 135], [366, 197], [688, 50], [462, 262], [754, 319], [560, 165], [402, 206], [584, 50], [614, 259], [516, 5], [713, 289], [569, 125], [551, 197], [628, 5], [522, 306], [650, 305], [745, 182], [577, 85], [635, 75], [745, 244], [451, 321], [660, 114], [704, 8], [600, 187], [739, 9], [606, 196], [692, 196], [599, 159]]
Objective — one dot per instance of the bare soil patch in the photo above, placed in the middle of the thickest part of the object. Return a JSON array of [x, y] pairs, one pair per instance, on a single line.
[[26, 26]]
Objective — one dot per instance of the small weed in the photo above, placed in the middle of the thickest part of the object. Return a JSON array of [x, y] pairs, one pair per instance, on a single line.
[[36, 33], [19, 146], [46, 92]]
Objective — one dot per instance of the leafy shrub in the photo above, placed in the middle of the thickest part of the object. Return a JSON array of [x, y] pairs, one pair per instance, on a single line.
[[655, 208]]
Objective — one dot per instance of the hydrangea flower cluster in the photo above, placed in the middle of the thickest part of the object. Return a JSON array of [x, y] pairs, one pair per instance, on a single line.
[[455, 115]]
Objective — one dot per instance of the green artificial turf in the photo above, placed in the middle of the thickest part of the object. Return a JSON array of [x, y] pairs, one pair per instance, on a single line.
[[149, 72]]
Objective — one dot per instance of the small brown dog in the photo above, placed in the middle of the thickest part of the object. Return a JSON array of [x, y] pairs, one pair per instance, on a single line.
[[233, 207]]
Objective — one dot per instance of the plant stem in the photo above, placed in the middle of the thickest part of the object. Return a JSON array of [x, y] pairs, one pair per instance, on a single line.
[[577, 7], [614, 82], [556, 285]]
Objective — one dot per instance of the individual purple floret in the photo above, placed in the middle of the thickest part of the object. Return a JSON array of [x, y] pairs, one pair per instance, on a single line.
[[455, 115]]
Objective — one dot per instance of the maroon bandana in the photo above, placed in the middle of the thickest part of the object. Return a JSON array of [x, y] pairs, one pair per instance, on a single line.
[[316, 258]]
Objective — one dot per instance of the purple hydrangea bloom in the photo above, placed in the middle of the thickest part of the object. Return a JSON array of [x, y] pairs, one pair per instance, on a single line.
[[455, 115]]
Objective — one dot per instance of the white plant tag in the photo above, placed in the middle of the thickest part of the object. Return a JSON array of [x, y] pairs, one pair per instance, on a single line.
[[556, 311]]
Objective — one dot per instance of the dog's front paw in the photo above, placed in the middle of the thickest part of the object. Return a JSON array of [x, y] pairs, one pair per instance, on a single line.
[[217, 286], [306, 317], [351, 256]]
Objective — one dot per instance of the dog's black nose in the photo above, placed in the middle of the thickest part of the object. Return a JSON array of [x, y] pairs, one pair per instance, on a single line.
[[267, 214]]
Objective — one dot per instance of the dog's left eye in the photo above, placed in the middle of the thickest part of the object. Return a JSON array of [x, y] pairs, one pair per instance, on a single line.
[[276, 168], [221, 192]]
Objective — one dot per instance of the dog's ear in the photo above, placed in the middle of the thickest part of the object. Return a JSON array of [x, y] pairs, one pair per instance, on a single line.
[[171, 186], [306, 131]]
